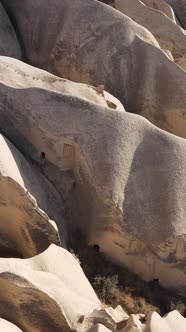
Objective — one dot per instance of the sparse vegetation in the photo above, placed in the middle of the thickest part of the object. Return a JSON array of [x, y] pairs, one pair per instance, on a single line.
[[116, 285], [178, 305], [106, 287]]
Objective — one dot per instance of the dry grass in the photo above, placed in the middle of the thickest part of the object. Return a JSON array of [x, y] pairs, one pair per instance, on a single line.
[[116, 285]]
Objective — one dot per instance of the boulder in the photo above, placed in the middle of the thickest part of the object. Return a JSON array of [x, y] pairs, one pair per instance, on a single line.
[[20, 75], [25, 230], [109, 49], [169, 35], [172, 322], [155, 323], [74, 155], [6, 326], [54, 278], [162, 6], [111, 168], [175, 321], [113, 319], [134, 325]]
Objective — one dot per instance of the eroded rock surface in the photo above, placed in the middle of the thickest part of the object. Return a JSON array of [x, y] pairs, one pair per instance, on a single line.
[[179, 9], [169, 35], [141, 67], [56, 279], [173, 321], [25, 230], [162, 6], [73, 157], [111, 168], [6, 326], [9, 44], [113, 319]]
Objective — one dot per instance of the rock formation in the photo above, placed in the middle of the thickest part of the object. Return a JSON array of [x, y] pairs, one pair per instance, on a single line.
[[179, 9], [9, 44], [173, 321], [53, 278], [169, 35], [141, 67], [8, 327], [163, 7], [135, 215], [74, 157], [25, 230]]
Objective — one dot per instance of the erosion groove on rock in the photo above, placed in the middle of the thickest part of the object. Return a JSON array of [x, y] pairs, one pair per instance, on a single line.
[[93, 139], [112, 45]]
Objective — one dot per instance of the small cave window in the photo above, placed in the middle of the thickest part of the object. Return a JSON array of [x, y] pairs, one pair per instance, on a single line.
[[156, 281], [96, 247], [43, 156]]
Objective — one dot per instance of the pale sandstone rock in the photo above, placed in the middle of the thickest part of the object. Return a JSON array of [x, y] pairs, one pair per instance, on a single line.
[[134, 325], [155, 323], [175, 321], [119, 165], [169, 35], [9, 44], [172, 322], [111, 50], [25, 230], [6, 326], [113, 319], [58, 275], [20, 75], [169, 54], [162, 6], [111, 168]]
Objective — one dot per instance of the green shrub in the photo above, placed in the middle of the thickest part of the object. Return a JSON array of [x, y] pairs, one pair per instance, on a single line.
[[105, 287], [116, 285]]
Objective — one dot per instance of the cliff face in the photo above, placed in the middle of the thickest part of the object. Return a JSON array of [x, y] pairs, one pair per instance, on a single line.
[[92, 104]]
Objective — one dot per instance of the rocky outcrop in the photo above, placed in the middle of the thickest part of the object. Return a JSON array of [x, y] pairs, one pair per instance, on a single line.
[[134, 324], [54, 283], [179, 9], [49, 291], [20, 75], [173, 321], [169, 35], [141, 67], [111, 168], [70, 155], [9, 44], [114, 319], [162, 6], [6, 326], [25, 230]]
